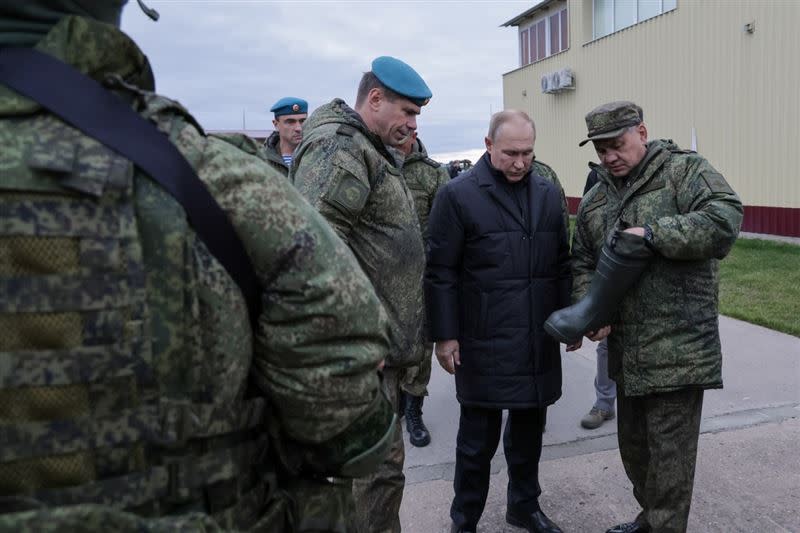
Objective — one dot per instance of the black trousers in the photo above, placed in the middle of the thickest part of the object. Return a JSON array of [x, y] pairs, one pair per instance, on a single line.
[[478, 437]]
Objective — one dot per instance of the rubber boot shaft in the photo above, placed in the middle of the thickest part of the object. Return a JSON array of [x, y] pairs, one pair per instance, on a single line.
[[622, 261]]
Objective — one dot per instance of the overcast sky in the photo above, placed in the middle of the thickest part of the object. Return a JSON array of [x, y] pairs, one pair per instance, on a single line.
[[222, 58]]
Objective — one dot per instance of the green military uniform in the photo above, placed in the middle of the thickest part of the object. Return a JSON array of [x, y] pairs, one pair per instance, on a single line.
[[347, 173], [133, 393], [272, 153], [546, 171], [424, 177], [664, 347]]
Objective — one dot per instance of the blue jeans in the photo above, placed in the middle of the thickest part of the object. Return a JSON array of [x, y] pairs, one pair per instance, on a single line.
[[604, 387]]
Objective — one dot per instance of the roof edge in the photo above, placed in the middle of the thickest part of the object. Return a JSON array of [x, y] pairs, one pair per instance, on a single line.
[[525, 14]]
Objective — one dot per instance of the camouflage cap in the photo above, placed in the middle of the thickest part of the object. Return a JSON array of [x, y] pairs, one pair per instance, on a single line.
[[611, 120]]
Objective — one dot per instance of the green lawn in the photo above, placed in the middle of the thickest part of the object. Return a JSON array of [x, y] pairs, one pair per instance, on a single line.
[[760, 283]]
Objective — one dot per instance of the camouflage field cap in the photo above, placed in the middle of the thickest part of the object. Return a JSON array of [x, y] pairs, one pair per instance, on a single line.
[[611, 120]]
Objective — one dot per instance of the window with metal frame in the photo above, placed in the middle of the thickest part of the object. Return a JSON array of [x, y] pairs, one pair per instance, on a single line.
[[543, 37], [609, 16]]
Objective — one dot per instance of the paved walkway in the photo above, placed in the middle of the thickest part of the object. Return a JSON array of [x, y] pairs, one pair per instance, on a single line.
[[748, 476], [790, 240]]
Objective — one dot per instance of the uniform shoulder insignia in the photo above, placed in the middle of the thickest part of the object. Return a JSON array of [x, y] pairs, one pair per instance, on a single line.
[[716, 182], [431, 162], [348, 193], [347, 130]]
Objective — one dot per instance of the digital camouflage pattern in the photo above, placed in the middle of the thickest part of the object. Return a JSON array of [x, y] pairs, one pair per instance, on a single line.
[[132, 386], [610, 120], [546, 171], [424, 177], [271, 152], [347, 173], [666, 335], [658, 436]]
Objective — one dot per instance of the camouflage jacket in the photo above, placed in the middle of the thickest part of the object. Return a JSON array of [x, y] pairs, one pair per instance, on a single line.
[[131, 378], [272, 153], [666, 336], [424, 177], [347, 173], [547, 172]]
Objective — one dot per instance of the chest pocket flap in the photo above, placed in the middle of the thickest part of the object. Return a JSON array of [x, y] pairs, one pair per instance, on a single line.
[[599, 200], [77, 163]]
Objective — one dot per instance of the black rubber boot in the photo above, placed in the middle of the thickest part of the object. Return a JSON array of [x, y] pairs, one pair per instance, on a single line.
[[417, 432], [622, 261]]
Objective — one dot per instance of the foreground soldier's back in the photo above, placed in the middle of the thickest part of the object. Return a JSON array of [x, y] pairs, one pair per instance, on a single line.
[[134, 394]]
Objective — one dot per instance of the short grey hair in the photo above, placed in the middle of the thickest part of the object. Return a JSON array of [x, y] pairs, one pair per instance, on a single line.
[[501, 117]]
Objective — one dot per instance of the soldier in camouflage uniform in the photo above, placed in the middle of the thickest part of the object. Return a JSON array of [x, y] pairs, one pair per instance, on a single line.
[[344, 168], [664, 346], [134, 394], [424, 177], [290, 114], [546, 171]]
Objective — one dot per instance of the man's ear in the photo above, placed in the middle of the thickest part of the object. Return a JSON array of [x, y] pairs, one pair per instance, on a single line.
[[642, 130], [275, 122], [375, 98], [488, 142]]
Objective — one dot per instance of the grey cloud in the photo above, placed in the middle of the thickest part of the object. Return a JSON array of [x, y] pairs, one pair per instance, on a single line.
[[222, 58]]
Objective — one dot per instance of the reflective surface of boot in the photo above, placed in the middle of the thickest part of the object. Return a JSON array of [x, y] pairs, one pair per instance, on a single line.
[[622, 260]]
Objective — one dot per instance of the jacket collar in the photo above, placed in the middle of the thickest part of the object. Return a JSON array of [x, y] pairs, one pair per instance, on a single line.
[[487, 177]]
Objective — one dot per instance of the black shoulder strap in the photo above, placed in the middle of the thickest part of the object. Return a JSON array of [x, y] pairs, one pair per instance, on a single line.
[[88, 106]]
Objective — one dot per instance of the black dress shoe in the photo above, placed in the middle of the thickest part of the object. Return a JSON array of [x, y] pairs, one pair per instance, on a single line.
[[536, 522], [630, 527], [455, 528]]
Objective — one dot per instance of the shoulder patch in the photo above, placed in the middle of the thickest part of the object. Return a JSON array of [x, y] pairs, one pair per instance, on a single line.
[[348, 193], [346, 130], [716, 182], [431, 162]]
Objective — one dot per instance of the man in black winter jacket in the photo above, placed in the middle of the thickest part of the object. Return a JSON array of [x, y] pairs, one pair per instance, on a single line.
[[497, 266]]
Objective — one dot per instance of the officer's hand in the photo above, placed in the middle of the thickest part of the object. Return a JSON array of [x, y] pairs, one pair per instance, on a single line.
[[448, 355], [576, 346], [381, 364], [599, 335]]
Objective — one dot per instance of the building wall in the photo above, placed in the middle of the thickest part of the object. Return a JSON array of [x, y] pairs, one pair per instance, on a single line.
[[693, 67]]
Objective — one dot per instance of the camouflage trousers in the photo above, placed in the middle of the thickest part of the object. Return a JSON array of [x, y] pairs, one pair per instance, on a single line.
[[378, 496], [658, 436], [416, 378]]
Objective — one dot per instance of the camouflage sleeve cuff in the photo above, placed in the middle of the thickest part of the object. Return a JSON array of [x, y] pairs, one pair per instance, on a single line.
[[360, 448]]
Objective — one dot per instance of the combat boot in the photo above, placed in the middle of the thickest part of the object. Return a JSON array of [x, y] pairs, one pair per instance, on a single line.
[[622, 260], [417, 432]]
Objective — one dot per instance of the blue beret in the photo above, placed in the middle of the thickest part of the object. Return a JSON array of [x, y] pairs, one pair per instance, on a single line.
[[289, 105], [402, 79]]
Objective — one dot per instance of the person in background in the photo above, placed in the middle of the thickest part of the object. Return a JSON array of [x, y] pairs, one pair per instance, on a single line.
[[424, 177], [290, 114], [604, 387]]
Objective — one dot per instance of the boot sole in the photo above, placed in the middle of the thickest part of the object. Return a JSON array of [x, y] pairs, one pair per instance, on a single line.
[[557, 335]]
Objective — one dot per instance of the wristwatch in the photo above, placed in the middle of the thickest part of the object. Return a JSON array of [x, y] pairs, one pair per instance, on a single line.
[[648, 234]]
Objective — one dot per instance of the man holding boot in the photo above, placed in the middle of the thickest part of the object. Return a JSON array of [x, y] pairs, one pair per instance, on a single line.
[[646, 251], [424, 177]]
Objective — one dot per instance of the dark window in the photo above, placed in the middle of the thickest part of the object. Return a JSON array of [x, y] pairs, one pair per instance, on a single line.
[[523, 41]]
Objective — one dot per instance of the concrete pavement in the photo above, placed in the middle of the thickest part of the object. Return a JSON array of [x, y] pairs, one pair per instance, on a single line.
[[748, 476]]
